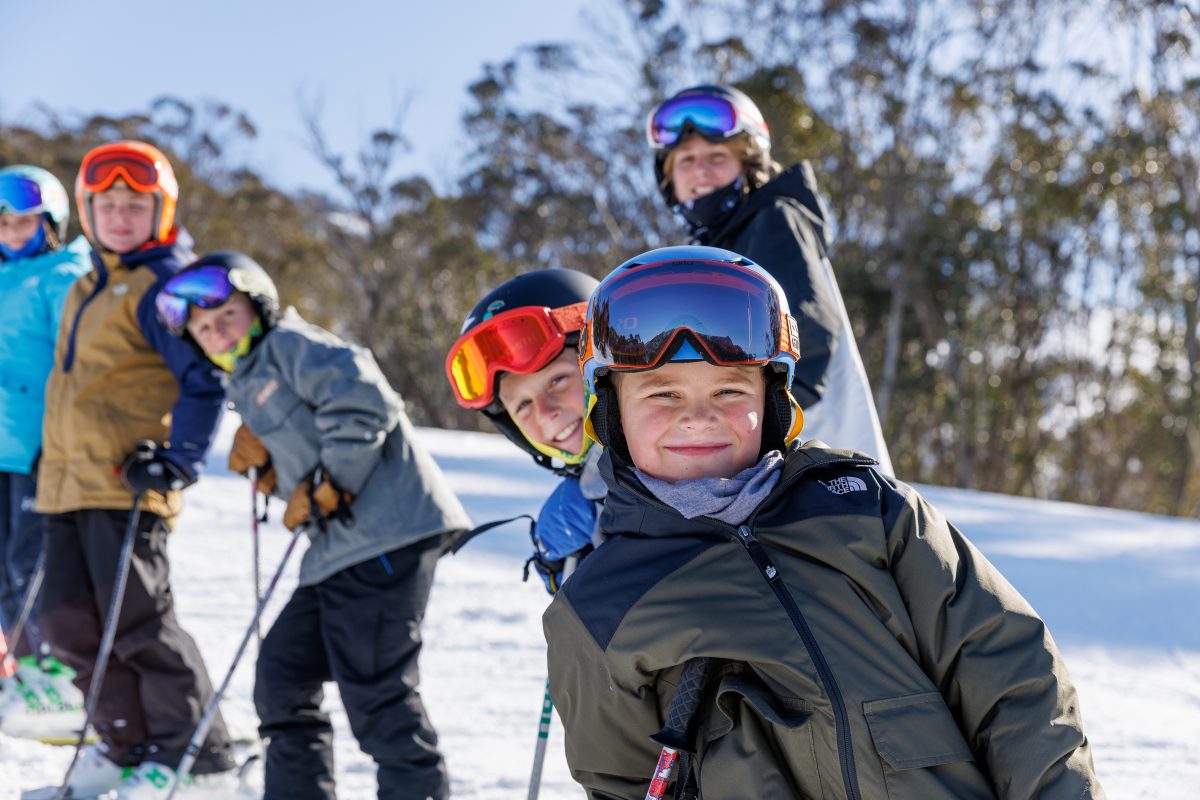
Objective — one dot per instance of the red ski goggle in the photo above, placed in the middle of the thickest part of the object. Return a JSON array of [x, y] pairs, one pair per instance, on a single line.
[[522, 340], [137, 169]]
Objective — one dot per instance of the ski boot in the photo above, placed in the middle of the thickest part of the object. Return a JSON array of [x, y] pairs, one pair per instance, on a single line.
[[94, 777], [152, 781], [39, 701]]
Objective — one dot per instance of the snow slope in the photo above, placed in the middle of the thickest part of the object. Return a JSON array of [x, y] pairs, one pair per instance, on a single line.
[[1120, 591]]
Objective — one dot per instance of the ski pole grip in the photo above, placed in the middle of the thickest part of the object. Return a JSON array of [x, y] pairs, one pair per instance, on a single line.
[[675, 734]]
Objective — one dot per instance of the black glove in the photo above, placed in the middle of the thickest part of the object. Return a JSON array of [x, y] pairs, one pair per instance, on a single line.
[[148, 469], [550, 570]]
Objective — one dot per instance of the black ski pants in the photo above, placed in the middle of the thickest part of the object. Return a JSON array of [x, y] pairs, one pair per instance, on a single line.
[[155, 687], [361, 629], [20, 545]]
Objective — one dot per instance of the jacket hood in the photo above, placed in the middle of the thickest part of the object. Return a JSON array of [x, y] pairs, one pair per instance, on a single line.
[[630, 509]]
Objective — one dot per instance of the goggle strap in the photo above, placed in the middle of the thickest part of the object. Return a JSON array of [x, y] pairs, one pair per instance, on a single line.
[[570, 319]]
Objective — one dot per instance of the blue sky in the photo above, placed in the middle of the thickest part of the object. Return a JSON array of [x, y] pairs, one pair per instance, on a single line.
[[366, 60]]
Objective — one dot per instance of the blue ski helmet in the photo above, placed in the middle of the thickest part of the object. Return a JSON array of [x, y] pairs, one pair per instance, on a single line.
[[25, 189]]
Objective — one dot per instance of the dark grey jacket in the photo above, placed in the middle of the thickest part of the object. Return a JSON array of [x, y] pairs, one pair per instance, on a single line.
[[866, 650], [314, 399]]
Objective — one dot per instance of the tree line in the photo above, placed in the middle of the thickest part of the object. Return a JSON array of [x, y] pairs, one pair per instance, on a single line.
[[1016, 213]]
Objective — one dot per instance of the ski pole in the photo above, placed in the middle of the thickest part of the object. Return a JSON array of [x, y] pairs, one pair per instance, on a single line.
[[539, 752], [675, 734], [210, 712], [31, 593], [106, 642], [257, 557]]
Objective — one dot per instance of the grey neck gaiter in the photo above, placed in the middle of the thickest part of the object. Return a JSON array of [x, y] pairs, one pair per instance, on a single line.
[[729, 500]]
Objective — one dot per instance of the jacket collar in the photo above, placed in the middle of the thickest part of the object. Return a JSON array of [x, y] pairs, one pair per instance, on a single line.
[[630, 509], [791, 183], [178, 249]]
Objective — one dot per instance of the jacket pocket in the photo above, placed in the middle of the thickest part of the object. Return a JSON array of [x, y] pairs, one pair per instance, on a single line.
[[268, 405], [915, 730], [755, 743], [923, 752]]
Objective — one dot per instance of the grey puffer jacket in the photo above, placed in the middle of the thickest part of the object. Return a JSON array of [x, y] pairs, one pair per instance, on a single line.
[[314, 399], [866, 650]]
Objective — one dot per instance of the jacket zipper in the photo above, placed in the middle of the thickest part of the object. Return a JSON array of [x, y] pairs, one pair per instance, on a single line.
[[841, 719], [758, 553]]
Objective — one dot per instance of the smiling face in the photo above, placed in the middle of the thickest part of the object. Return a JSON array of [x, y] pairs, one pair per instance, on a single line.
[[548, 405], [123, 218], [218, 329], [693, 419], [699, 167], [17, 229]]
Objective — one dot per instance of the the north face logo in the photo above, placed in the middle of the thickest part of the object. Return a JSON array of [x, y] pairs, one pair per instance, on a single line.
[[844, 485]]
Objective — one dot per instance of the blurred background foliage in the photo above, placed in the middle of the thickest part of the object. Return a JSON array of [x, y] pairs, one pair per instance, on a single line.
[[1016, 212]]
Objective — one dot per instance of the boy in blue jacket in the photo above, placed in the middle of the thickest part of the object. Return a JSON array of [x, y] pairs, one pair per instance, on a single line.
[[36, 270]]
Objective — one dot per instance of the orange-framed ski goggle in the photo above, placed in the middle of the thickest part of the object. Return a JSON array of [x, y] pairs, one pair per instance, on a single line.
[[732, 313], [521, 340], [142, 171]]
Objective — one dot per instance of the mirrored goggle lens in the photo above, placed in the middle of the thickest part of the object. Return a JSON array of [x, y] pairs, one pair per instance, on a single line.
[[711, 116], [522, 341], [207, 287], [734, 315], [19, 194], [136, 169]]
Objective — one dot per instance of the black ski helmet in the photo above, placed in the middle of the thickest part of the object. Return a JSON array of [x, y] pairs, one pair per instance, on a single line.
[[749, 122], [553, 287]]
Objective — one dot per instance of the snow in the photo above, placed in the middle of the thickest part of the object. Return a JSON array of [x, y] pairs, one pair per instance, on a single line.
[[1120, 592]]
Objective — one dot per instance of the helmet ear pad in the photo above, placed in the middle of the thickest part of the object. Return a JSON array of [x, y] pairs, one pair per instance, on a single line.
[[606, 418], [268, 313], [780, 412]]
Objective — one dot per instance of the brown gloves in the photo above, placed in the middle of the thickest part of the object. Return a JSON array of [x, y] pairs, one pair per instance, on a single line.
[[248, 452], [317, 499]]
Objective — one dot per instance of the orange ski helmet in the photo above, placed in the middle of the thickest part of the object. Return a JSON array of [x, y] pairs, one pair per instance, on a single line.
[[142, 167]]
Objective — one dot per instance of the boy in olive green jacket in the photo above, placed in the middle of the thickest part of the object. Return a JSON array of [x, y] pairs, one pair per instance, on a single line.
[[858, 645]]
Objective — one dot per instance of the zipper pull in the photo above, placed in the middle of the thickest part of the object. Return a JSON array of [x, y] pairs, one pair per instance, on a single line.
[[757, 552]]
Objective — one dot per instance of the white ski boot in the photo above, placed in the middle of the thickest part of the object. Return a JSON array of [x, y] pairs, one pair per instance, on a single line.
[[152, 781], [39, 701], [94, 777]]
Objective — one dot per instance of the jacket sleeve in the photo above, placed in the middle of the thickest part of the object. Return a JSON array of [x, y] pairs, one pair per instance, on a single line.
[[784, 239], [992, 659], [197, 409], [607, 722], [354, 407]]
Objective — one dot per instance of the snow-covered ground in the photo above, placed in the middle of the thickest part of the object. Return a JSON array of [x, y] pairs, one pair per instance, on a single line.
[[1121, 593]]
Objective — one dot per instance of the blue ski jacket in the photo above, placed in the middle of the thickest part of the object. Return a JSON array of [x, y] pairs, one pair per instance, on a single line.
[[32, 293]]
